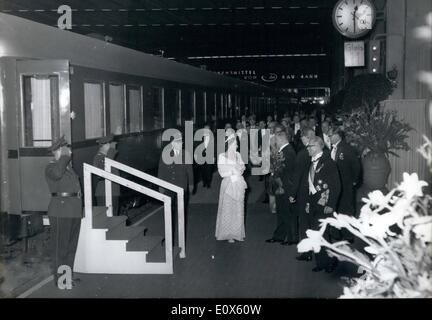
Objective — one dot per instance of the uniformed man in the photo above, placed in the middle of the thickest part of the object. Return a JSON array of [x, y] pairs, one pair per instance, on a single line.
[[65, 208], [178, 172], [107, 149], [324, 189]]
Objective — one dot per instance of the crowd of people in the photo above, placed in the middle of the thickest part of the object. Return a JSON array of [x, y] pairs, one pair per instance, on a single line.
[[313, 172]]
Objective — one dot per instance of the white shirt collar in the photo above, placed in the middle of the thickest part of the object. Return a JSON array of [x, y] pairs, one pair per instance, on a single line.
[[281, 148], [317, 156], [336, 144]]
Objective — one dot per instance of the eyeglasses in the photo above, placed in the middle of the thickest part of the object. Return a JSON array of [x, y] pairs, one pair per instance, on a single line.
[[311, 145]]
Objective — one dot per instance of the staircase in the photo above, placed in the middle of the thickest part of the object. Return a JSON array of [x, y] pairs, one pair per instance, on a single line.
[[106, 245]]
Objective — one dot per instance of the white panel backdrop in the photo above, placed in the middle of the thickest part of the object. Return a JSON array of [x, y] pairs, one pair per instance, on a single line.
[[416, 113]]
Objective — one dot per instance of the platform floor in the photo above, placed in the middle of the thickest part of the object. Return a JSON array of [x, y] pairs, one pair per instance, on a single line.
[[218, 269]]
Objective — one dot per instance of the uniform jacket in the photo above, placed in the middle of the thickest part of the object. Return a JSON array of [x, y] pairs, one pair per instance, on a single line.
[[348, 165], [99, 162], [326, 182], [180, 175], [60, 178], [301, 167], [284, 168]]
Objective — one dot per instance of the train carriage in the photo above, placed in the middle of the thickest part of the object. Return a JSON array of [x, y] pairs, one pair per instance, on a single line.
[[54, 82]]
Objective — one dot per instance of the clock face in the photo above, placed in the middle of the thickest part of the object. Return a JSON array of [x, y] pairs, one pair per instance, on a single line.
[[354, 18]]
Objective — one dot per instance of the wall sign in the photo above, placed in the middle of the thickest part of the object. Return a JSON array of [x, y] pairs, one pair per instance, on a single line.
[[354, 54], [269, 77]]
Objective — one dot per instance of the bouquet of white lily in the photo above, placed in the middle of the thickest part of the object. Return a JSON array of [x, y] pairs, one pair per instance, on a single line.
[[396, 229]]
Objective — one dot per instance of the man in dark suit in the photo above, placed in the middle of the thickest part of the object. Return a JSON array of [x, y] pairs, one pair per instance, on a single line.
[[107, 149], [314, 126], [176, 168], [297, 144], [287, 229], [295, 124], [348, 165], [300, 191], [324, 190], [205, 170], [262, 132], [65, 208], [324, 133]]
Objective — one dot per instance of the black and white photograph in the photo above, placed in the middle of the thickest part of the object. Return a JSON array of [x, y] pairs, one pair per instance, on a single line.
[[215, 149]]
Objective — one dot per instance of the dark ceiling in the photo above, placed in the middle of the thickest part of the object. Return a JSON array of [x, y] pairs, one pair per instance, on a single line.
[[294, 38], [195, 27]]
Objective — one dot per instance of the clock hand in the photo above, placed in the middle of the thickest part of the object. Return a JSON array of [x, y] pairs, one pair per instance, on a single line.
[[354, 17]]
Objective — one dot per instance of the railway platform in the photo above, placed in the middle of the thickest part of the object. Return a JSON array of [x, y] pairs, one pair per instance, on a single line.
[[215, 269]]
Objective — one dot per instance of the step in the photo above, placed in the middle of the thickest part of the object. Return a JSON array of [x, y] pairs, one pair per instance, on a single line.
[[158, 254], [99, 210], [105, 222], [146, 243], [122, 232]]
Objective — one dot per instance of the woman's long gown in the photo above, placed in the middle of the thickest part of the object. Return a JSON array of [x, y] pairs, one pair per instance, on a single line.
[[230, 216]]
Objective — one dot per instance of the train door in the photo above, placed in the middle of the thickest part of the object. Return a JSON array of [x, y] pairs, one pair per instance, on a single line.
[[44, 117]]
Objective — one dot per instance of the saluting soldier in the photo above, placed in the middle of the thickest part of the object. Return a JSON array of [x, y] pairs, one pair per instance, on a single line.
[[107, 149], [65, 208]]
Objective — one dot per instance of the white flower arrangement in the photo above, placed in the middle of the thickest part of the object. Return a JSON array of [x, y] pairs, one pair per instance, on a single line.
[[396, 261]]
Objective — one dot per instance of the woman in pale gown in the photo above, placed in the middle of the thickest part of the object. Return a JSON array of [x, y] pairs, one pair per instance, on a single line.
[[230, 216]]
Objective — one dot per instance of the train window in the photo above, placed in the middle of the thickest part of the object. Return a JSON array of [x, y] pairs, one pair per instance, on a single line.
[[187, 105], [225, 106], [215, 106], [210, 106], [194, 103], [171, 105], [94, 110], [230, 110], [117, 108], [158, 107], [134, 109], [179, 107], [40, 110], [221, 106], [199, 108], [205, 105]]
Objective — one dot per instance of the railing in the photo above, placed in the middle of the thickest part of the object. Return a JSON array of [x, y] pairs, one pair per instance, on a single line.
[[88, 201], [109, 164]]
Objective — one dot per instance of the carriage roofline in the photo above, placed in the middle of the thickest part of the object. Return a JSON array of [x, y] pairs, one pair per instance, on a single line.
[[24, 38]]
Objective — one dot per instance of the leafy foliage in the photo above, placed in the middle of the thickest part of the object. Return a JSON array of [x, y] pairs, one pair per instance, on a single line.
[[366, 91], [378, 131], [397, 230]]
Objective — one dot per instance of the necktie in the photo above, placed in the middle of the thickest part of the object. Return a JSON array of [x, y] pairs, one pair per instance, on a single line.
[[312, 170], [333, 153], [327, 141]]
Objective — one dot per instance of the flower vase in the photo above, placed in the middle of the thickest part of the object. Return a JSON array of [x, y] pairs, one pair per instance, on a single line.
[[376, 170]]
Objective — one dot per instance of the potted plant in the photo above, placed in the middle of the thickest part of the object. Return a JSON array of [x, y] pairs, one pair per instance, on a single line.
[[376, 135], [366, 91], [396, 229]]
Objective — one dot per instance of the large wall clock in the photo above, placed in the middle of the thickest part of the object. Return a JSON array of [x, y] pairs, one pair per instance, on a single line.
[[354, 18]]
